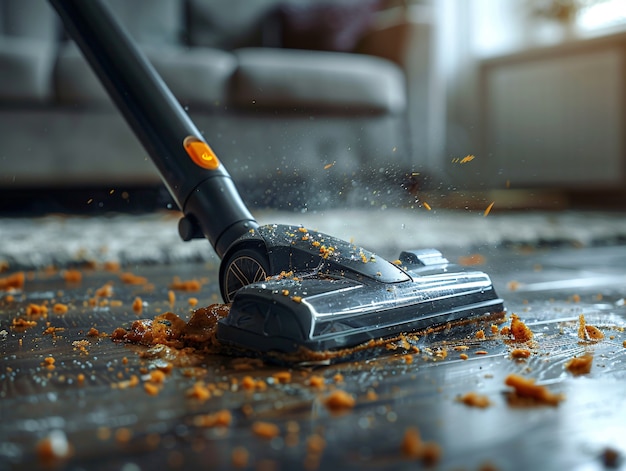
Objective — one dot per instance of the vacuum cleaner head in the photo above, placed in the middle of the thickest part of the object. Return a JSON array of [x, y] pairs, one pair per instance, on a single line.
[[331, 294]]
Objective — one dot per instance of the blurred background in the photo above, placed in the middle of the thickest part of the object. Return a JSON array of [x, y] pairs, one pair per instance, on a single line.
[[314, 104]]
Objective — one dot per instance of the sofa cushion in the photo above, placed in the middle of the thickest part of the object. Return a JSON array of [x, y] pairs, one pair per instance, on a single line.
[[198, 77], [268, 77], [151, 21], [26, 66]]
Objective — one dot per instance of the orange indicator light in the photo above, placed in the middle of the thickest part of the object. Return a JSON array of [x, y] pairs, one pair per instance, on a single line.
[[200, 152]]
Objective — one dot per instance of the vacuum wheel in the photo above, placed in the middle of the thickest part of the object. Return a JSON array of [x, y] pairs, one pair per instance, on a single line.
[[242, 268]]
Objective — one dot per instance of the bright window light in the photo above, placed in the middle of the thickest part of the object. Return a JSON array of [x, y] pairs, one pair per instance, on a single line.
[[602, 14]]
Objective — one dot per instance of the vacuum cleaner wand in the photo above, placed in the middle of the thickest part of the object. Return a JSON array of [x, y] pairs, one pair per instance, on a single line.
[[199, 183]]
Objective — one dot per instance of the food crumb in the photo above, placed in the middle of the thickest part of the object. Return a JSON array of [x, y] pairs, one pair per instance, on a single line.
[[520, 331], [138, 305], [463, 356], [72, 276], [339, 400], [473, 399], [132, 279], [471, 260], [14, 281], [411, 443], [413, 447], [265, 430], [171, 298], [185, 285], [588, 332], [526, 388], [316, 381], [282, 377], [193, 302], [53, 447], [480, 335], [240, 457], [59, 308], [580, 365], [222, 418], [123, 435], [199, 391], [610, 458], [520, 353]]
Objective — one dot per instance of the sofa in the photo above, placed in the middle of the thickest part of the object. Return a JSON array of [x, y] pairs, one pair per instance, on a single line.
[[301, 99]]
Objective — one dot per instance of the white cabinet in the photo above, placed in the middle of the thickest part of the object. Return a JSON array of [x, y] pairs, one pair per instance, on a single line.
[[556, 118]]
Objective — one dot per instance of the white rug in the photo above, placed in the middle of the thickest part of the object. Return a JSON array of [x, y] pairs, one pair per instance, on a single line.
[[153, 238]]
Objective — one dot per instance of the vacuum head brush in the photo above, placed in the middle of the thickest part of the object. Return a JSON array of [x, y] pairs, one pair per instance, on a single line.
[[330, 294]]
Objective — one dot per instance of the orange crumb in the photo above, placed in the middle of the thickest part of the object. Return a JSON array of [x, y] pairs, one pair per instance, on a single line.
[[513, 285], [519, 330], [580, 365], [53, 447], [20, 323], [463, 356], [265, 430], [171, 297], [412, 446], [282, 377], [576, 298], [36, 310], [338, 378], [526, 388], [123, 435], [520, 353], [240, 457], [472, 399], [482, 352], [431, 453], [14, 281], [494, 329], [480, 335], [80, 378], [193, 302], [473, 259], [138, 305], [72, 276], [222, 418], [151, 388], [426, 205], [488, 209], [106, 291], [93, 332], [339, 400], [588, 332], [59, 308], [199, 391], [187, 285], [315, 444], [111, 266], [132, 279], [316, 381], [157, 376]]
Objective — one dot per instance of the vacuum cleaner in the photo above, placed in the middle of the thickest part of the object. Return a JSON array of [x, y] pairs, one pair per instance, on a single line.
[[289, 287]]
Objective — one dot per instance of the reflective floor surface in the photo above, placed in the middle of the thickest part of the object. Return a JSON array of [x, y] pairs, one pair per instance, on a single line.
[[89, 399]]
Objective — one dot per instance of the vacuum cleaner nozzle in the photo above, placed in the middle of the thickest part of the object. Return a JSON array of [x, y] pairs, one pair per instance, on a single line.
[[330, 294]]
